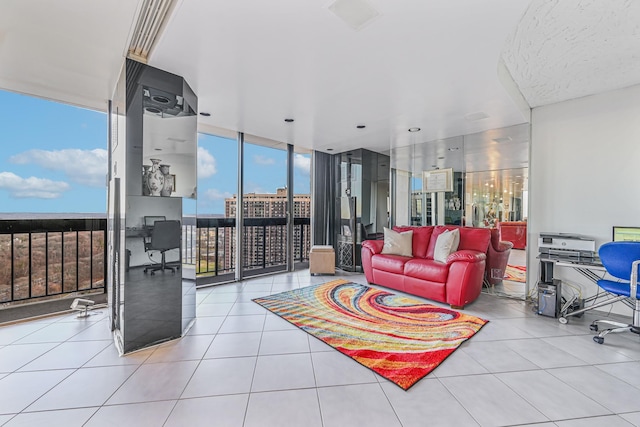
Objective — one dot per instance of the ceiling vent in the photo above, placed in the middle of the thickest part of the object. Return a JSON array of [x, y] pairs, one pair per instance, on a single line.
[[151, 19], [355, 13]]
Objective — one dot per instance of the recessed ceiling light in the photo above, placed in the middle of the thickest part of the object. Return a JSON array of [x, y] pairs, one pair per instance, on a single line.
[[361, 126], [414, 129], [153, 110], [329, 149], [472, 117], [441, 158], [205, 114], [158, 149], [502, 139], [288, 120], [433, 166]]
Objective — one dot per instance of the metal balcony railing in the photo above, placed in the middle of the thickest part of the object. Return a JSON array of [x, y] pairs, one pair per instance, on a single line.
[[47, 257], [42, 258], [264, 241]]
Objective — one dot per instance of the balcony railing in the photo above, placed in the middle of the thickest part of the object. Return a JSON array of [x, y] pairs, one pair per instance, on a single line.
[[43, 258], [265, 245], [47, 257]]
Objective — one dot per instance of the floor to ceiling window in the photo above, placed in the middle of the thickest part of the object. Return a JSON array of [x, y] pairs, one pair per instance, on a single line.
[[265, 209], [217, 189]]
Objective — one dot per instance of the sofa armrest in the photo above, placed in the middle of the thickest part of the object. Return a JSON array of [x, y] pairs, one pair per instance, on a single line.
[[375, 246], [502, 246], [466, 256], [369, 249]]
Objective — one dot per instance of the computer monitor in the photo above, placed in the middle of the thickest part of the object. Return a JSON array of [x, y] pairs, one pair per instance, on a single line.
[[149, 221], [626, 234]]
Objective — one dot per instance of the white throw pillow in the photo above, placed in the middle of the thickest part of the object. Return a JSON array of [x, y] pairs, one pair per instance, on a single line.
[[446, 244], [397, 243]]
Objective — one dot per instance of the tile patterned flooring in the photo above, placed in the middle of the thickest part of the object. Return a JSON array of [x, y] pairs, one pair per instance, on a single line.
[[242, 366]]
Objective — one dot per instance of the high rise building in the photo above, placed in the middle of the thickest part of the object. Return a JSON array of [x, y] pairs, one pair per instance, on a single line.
[[265, 245]]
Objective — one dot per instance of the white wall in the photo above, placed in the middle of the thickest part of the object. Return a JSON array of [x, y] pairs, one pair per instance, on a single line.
[[584, 171]]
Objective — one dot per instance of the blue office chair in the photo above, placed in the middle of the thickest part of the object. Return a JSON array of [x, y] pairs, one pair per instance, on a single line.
[[621, 260]]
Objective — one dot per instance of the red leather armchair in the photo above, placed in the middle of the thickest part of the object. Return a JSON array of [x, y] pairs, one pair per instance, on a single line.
[[514, 232], [497, 258], [456, 282]]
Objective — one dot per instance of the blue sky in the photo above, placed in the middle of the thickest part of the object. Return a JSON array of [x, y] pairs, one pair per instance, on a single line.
[[54, 159]]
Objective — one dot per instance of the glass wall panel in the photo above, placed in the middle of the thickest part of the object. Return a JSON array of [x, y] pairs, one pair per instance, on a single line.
[[217, 184], [265, 210], [302, 206]]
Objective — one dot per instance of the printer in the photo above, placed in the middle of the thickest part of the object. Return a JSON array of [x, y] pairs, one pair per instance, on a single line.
[[566, 245]]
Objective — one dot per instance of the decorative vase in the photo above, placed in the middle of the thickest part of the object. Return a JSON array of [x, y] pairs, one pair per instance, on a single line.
[[155, 178], [145, 180], [167, 188]]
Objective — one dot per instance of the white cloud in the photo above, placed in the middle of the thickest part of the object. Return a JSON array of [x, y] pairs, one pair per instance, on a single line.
[[32, 187], [303, 163], [214, 194], [206, 163], [88, 167], [262, 160]]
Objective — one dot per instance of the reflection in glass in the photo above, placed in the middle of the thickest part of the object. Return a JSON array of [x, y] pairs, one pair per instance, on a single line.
[[169, 145]]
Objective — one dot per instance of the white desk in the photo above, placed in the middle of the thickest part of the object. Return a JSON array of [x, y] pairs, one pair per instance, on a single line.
[[591, 269]]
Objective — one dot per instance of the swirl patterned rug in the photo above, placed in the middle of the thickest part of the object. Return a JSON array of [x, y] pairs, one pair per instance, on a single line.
[[399, 338]]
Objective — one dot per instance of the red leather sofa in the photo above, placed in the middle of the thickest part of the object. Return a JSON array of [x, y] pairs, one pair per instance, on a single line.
[[456, 282], [514, 232]]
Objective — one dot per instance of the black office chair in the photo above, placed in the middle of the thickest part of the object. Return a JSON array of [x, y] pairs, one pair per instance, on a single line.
[[166, 235], [621, 260]]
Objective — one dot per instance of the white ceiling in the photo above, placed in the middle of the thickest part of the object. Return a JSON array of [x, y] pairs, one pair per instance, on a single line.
[[70, 51], [424, 63], [419, 63], [572, 48]]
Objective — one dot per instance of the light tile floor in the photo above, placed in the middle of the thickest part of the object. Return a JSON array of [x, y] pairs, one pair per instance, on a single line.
[[242, 366]]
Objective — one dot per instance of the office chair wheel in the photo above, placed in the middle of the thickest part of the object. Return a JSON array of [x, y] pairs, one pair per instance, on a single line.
[[598, 339], [153, 273], [563, 320], [594, 328]]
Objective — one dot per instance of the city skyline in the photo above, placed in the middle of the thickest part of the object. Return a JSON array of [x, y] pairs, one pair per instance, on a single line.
[[55, 161]]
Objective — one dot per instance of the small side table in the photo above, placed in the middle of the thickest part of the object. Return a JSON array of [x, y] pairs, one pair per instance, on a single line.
[[322, 260]]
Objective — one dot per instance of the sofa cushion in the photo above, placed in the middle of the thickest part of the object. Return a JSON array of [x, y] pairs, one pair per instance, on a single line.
[[389, 263], [446, 244], [421, 238], [471, 238], [427, 269], [396, 243]]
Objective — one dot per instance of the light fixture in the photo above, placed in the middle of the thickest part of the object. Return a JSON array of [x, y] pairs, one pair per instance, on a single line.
[[472, 117], [329, 149], [153, 110], [203, 114], [360, 126], [453, 148], [502, 140], [288, 120], [441, 158], [414, 129]]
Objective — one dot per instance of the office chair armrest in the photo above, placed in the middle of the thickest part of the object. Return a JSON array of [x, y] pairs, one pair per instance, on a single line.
[[633, 285]]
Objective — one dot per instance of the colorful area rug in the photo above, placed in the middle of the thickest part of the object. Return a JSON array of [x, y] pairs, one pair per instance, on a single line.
[[400, 338], [516, 273]]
